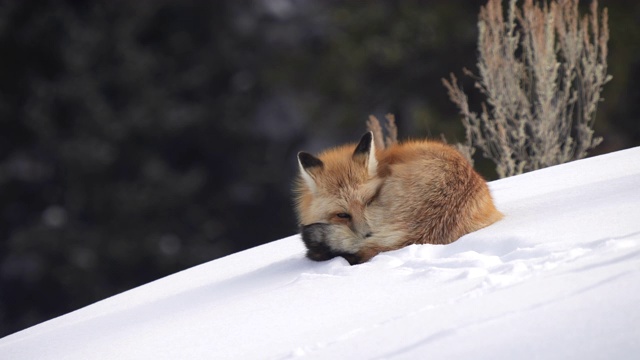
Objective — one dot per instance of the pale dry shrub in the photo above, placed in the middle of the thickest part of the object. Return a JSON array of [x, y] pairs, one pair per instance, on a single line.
[[541, 70], [383, 139]]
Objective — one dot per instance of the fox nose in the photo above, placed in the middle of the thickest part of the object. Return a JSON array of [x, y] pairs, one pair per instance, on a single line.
[[361, 229]]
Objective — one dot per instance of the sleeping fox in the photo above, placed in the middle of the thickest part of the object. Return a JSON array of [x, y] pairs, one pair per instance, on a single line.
[[355, 201]]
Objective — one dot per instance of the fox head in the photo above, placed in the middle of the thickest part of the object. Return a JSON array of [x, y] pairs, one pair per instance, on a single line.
[[333, 192]]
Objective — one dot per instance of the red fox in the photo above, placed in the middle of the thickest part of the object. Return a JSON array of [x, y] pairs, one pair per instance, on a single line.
[[355, 201]]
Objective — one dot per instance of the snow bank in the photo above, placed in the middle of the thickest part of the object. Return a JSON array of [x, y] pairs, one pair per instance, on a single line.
[[558, 278]]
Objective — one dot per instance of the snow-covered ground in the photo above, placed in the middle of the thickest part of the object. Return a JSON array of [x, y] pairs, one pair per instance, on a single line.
[[558, 278]]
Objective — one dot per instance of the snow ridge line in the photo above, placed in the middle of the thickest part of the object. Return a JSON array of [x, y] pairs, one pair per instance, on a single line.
[[490, 272]]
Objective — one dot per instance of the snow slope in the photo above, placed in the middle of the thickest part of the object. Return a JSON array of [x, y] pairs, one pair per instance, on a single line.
[[558, 278]]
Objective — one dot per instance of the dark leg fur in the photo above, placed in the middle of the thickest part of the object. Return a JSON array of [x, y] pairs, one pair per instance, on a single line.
[[315, 239]]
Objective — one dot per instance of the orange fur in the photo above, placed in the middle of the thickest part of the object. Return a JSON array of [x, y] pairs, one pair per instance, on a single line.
[[419, 192]]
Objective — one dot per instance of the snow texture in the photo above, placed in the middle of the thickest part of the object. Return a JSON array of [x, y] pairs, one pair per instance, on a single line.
[[557, 278]]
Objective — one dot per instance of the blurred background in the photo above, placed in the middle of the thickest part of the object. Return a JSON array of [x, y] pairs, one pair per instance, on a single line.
[[140, 138]]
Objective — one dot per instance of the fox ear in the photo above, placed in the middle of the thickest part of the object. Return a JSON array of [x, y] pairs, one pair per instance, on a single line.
[[309, 166], [365, 153]]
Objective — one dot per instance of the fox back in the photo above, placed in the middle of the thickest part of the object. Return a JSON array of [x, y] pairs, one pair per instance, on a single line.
[[355, 201]]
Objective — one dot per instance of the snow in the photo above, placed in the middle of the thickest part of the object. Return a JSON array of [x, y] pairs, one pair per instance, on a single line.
[[557, 278]]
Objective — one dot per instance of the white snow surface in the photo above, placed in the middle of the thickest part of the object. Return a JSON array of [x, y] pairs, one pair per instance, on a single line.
[[557, 278]]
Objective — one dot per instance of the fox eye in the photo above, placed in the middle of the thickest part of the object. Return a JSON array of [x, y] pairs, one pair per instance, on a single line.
[[343, 216]]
